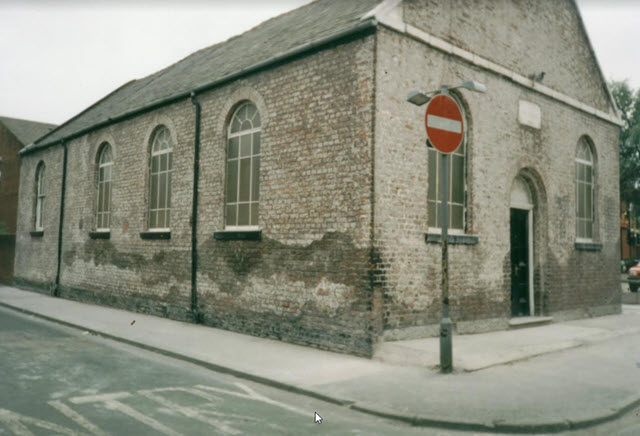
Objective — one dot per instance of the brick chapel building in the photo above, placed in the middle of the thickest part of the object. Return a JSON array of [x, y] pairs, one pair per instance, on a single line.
[[278, 184]]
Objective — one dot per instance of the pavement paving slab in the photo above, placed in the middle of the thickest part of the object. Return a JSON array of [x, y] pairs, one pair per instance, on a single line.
[[545, 378]]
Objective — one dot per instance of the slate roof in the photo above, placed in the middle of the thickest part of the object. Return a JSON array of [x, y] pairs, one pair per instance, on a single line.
[[274, 39], [26, 131]]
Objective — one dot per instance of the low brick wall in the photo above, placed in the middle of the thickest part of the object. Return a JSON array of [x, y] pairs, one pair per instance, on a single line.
[[631, 298], [7, 255]]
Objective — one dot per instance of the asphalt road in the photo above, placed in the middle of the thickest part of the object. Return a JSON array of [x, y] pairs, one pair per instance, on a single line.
[[61, 381], [58, 380]]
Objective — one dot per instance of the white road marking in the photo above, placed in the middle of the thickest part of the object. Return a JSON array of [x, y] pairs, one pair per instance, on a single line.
[[157, 426], [18, 424], [188, 411], [442, 123], [14, 421], [111, 402], [77, 418], [99, 398], [253, 395], [14, 424], [211, 397], [187, 390]]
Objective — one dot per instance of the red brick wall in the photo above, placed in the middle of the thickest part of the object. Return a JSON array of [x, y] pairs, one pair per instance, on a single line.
[[9, 179], [9, 183]]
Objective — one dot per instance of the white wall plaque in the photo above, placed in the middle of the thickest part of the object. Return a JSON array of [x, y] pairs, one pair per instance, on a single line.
[[529, 114]]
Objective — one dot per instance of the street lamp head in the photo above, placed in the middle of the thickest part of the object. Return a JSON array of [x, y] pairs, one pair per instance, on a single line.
[[473, 86], [417, 97]]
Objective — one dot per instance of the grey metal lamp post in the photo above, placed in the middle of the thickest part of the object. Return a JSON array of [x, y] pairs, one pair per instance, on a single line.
[[446, 345]]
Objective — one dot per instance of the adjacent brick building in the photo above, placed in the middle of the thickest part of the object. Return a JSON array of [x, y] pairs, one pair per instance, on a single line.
[[314, 214], [15, 134]]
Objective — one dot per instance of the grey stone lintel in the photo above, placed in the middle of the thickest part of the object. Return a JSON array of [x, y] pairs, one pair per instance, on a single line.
[[155, 235], [588, 246], [452, 239], [238, 235]]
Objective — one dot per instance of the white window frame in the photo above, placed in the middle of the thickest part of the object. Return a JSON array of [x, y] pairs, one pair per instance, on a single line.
[[253, 203], [101, 185], [590, 165], [435, 154], [39, 225], [168, 171]]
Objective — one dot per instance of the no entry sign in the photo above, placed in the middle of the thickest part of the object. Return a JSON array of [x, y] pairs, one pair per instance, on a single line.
[[443, 121]]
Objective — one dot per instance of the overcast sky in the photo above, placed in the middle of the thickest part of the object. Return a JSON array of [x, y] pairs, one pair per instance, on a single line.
[[57, 57]]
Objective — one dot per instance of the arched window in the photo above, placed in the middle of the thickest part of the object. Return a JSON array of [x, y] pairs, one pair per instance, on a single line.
[[457, 186], [39, 197], [103, 206], [161, 167], [584, 190], [243, 167]]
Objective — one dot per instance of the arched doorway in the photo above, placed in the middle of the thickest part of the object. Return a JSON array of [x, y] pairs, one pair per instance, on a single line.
[[521, 235]]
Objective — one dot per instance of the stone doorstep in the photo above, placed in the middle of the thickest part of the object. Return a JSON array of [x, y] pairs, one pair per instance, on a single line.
[[529, 321]]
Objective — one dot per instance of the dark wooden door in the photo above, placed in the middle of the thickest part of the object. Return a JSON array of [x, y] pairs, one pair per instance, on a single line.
[[519, 262]]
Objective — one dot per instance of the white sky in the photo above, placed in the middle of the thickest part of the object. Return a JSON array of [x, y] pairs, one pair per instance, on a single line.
[[57, 57]]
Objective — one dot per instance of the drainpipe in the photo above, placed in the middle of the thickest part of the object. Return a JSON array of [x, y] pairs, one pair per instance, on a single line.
[[197, 317], [56, 287]]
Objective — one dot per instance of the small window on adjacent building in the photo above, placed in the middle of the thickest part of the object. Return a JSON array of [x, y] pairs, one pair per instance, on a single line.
[[457, 187], [584, 190], [39, 197], [243, 168], [103, 209], [161, 167]]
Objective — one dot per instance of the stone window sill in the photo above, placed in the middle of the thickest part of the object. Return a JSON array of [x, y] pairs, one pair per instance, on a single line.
[[37, 233], [588, 246], [100, 235], [238, 235], [155, 235], [433, 238]]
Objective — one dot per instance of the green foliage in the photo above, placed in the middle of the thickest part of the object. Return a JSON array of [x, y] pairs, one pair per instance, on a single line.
[[628, 101], [4, 229]]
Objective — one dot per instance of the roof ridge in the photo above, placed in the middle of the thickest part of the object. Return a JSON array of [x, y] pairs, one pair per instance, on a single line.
[[78, 115], [3, 117], [583, 28], [287, 34], [162, 71]]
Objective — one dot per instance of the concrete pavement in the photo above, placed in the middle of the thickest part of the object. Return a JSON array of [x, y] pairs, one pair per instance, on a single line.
[[586, 371]]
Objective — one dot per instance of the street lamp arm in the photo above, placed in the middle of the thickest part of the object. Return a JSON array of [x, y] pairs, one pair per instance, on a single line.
[[472, 85], [421, 97]]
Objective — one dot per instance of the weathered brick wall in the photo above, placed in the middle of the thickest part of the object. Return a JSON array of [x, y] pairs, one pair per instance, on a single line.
[[527, 36], [36, 256], [307, 280], [567, 281], [126, 271]]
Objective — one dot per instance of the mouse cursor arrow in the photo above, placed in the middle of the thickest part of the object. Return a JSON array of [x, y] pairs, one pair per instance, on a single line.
[[317, 418]]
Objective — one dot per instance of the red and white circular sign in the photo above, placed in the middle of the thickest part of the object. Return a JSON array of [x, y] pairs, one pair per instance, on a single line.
[[444, 124]]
